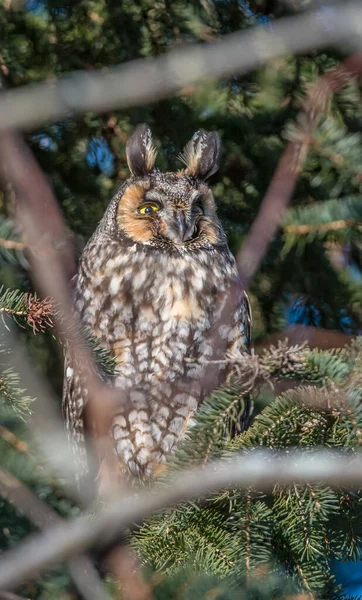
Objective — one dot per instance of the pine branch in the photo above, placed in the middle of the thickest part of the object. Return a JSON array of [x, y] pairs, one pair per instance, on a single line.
[[255, 470], [320, 218], [27, 309], [42, 515], [12, 394], [334, 141], [299, 525], [102, 356], [11, 249], [303, 513]]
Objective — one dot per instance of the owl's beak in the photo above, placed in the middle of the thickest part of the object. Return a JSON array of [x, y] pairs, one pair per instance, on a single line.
[[182, 227], [184, 230]]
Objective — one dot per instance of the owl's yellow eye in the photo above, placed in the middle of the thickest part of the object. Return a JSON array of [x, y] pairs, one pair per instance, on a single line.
[[147, 209]]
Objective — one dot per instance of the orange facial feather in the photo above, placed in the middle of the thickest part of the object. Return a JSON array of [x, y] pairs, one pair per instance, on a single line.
[[135, 226]]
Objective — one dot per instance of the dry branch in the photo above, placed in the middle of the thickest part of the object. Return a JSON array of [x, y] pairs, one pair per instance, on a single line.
[[290, 165], [12, 245], [315, 337], [322, 227], [51, 257], [44, 420], [141, 81], [260, 470]]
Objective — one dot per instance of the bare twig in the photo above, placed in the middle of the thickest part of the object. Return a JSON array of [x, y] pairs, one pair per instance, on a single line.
[[261, 470], [18, 444], [11, 244], [316, 337], [17, 493], [142, 81], [322, 227], [282, 185]]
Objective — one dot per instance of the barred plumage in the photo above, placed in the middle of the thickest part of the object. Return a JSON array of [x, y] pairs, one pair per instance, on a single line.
[[157, 285]]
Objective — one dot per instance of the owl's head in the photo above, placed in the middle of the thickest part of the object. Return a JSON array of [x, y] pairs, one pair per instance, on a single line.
[[170, 209]]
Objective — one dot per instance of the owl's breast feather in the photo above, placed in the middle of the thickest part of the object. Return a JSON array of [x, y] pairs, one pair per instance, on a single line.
[[156, 314]]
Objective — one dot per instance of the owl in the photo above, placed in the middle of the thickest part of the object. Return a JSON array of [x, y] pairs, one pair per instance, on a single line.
[[158, 287]]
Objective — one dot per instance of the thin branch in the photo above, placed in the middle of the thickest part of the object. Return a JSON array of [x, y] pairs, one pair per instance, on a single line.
[[11, 244], [315, 337], [260, 470], [44, 420], [51, 257], [18, 444], [290, 165], [142, 81], [124, 565], [322, 227]]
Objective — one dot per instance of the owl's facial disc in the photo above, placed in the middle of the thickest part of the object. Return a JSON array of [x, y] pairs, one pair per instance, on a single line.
[[169, 209], [173, 217]]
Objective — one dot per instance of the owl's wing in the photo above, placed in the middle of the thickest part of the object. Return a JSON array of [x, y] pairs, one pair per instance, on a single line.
[[241, 342], [73, 403], [72, 406], [240, 338], [245, 321]]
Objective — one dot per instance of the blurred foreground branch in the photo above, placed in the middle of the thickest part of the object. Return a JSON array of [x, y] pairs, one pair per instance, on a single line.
[[142, 81], [316, 337], [50, 255], [260, 470], [281, 187], [10, 596], [44, 421]]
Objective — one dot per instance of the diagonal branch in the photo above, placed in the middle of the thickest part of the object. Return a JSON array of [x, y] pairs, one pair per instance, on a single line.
[[51, 257], [284, 180], [141, 81], [44, 420]]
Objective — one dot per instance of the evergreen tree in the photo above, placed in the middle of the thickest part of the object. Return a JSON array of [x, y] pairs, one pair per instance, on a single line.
[[233, 545]]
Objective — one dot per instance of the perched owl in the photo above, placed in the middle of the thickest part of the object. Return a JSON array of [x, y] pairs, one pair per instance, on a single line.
[[158, 286]]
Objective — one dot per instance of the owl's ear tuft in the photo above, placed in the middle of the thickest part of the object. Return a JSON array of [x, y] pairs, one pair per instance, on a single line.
[[202, 154], [140, 151]]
